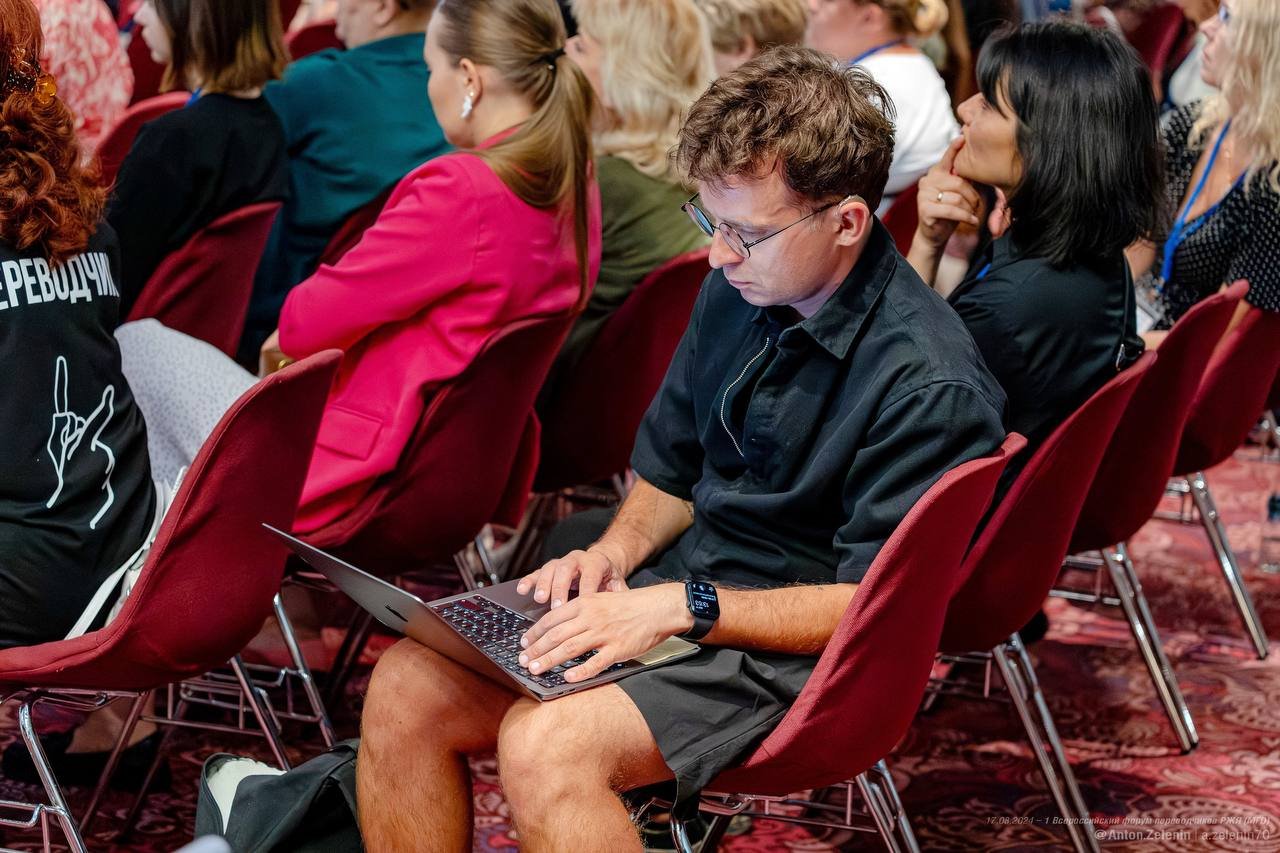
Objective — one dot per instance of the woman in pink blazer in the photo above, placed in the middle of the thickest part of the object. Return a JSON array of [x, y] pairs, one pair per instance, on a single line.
[[505, 228]]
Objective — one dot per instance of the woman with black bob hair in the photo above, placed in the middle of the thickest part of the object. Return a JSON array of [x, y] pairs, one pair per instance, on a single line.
[[1066, 127]]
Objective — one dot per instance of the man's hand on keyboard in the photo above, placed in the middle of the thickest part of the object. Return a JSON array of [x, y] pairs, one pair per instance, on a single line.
[[618, 625], [591, 570]]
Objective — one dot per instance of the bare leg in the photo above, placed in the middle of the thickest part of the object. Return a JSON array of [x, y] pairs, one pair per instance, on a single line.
[[423, 715], [100, 728], [563, 764]]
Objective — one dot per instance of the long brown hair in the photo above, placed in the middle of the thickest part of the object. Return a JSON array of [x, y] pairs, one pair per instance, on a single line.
[[547, 161], [48, 200], [230, 45]]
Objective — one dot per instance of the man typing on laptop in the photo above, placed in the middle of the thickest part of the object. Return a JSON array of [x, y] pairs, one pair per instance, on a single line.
[[819, 390]]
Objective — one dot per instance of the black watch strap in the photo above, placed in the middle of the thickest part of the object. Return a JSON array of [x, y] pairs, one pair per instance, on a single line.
[[704, 607], [701, 627]]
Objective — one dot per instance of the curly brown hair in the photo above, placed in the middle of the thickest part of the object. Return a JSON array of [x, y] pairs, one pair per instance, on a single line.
[[828, 129], [48, 200]]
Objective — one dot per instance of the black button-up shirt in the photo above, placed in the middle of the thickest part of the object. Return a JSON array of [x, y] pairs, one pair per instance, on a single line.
[[802, 446]]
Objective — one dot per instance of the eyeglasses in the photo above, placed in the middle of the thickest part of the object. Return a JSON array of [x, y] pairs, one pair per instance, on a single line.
[[732, 238]]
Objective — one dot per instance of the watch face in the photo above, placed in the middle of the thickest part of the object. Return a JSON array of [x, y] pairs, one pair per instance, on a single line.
[[702, 600]]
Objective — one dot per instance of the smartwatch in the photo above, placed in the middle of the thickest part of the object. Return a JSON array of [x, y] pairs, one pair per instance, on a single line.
[[701, 599]]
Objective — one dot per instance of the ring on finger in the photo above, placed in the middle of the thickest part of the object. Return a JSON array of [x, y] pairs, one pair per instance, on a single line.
[[940, 194]]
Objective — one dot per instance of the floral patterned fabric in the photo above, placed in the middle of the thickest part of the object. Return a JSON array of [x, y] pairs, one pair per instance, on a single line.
[[82, 51]]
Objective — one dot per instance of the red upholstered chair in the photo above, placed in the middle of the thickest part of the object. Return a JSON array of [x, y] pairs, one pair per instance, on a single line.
[[1134, 472], [1271, 422], [1157, 39], [867, 685], [116, 144], [203, 288], [1014, 562], [288, 8], [1235, 388], [313, 38], [588, 429], [468, 463], [350, 232], [208, 581], [902, 217]]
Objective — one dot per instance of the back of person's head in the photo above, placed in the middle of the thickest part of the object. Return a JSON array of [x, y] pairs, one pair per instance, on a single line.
[[740, 27], [547, 161], [1248, 84], [359, 22], [832, 22], [1087, 136], [222, 45], [656, 58], [47, 200], [828, 130]]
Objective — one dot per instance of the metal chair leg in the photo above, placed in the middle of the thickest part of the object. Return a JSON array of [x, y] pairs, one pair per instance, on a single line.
[[304, 673], [257, 700], [881, 795], [57, 803], [131, 818], [1138, 614], [715, 833], [1024, 688], [91, 811], [1227, 562], [344, 663]]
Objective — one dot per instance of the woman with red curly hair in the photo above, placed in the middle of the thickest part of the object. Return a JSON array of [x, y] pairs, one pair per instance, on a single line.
[[77, 504]]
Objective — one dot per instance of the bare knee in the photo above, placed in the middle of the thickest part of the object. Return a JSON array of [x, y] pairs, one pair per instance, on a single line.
[[417, 693], [535, 756]]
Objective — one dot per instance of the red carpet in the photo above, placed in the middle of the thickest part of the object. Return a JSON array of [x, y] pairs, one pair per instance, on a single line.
[[966, 775]]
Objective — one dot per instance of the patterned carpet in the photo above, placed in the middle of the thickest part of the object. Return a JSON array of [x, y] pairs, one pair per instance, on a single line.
[[965, 772]]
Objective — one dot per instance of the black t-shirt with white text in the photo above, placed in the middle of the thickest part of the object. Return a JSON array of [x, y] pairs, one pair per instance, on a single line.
[[76, 498]]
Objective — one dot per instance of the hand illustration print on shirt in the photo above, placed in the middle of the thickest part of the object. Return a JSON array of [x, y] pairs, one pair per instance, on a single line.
[[68, 431]]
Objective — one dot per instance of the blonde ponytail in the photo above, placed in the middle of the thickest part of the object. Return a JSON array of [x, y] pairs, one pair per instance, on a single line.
[[547, 161]]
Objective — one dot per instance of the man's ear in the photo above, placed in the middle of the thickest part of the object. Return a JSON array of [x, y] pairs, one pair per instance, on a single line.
[[855, 220], [385, 12]]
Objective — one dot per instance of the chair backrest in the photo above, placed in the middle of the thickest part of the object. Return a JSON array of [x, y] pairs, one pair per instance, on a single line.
[[589, 428], [116, 144], [1134, 470], [456, 471], [1157, 38], [1012, 565], [867, 684], [1233, 392], [211, 574], [902, 217], [203, 288], [313, 38], [350, 232], [1273, 399]]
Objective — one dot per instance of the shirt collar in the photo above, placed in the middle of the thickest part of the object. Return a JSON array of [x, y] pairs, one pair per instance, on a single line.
[[837, 324]]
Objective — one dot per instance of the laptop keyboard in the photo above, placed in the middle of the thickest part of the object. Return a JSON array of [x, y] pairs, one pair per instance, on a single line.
[[496, 630]]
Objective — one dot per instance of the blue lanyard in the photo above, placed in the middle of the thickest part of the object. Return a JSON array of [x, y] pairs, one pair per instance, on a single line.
[[195, 96], [868, 53], [982, 273], [1181, 228]]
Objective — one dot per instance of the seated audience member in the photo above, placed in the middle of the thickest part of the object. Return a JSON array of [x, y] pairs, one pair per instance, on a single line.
[[224, 151], [78, 508], [83, 53], [1186, 84], [646, 63], [1049, 302], [819, 390], [468, 243], [881, 36], [355, 122], [1222, 166], [742, 29]]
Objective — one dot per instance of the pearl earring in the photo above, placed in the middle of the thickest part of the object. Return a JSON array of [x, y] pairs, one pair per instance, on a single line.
[[468, 103]]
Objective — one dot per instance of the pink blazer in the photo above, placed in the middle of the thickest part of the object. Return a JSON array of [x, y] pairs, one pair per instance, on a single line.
[[454, 256]]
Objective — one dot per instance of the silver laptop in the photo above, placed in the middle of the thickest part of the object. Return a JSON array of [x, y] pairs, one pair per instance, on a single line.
[[480, 630]]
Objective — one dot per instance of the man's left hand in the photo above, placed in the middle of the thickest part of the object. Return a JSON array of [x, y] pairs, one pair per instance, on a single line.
[[618, 625]]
